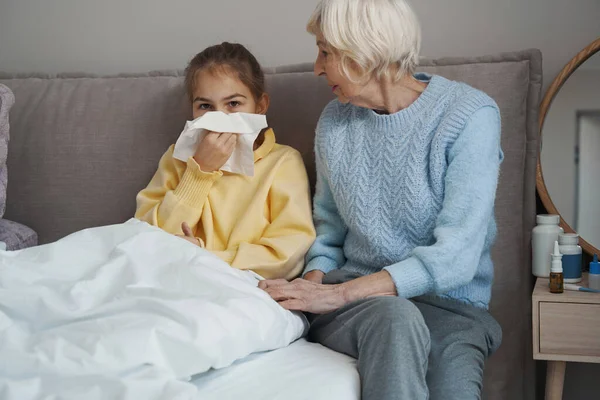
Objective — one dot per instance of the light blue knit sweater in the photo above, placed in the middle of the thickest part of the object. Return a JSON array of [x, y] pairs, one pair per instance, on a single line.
[[412, 192]]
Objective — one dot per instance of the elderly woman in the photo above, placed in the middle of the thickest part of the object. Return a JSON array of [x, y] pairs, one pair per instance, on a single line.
[[400, 274]]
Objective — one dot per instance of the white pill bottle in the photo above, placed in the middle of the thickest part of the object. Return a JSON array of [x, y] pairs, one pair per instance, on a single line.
[[542, 241], [572, 256]]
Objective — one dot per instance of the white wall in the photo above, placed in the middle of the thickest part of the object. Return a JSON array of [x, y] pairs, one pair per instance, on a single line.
[[111, 36], [589, 177], [580, 92]]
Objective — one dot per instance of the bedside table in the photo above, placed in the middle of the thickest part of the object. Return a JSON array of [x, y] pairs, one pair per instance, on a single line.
[[566, 327]]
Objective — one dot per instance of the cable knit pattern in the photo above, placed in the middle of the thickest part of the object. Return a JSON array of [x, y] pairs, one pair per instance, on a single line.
[[412, 192]]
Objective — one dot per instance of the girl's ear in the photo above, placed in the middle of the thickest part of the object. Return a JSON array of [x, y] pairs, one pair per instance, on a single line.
[[262, 106]]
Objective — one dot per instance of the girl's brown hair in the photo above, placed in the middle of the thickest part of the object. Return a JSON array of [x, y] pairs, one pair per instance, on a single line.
[[232, 55]]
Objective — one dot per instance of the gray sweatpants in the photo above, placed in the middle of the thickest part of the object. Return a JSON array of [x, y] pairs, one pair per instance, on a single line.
[[423, 348]]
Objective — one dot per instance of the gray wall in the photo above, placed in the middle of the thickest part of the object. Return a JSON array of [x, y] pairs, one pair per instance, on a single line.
[[113, 36]]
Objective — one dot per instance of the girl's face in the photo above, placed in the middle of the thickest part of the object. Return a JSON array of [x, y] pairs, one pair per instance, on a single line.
[[221, 90]]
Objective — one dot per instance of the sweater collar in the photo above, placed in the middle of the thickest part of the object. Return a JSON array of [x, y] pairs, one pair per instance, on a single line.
[[435, 88], [267, 145]]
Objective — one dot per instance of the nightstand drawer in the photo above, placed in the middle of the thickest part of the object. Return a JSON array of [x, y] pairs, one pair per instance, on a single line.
[[570, 329]]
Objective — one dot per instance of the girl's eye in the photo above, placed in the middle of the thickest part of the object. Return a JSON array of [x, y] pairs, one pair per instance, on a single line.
[[234, 104], [204, 106], [325, 54]]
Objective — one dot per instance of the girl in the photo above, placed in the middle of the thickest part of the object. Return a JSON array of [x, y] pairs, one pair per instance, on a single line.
[[261, 223]]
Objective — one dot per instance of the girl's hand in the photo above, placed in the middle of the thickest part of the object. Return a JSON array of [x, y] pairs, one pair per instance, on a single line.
[[214, 150], [315, 276], [189, 235]]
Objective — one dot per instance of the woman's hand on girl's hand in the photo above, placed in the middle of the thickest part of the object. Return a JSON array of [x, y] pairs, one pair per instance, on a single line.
[[214, 150], [304, 295], [189, 235]]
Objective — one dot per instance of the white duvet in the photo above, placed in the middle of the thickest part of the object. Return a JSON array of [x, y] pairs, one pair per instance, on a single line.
[[127, 312]]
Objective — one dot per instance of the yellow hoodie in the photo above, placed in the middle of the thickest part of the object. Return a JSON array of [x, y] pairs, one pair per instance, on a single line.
[[261, 223]]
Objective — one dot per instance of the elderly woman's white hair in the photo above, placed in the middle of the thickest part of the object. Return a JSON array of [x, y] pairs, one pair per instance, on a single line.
[[382, 37]]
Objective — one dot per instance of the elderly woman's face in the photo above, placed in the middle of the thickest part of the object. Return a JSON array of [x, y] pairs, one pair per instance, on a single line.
[[327, 65]]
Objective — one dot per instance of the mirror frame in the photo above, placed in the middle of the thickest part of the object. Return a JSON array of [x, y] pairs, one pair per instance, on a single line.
[[551, 93]]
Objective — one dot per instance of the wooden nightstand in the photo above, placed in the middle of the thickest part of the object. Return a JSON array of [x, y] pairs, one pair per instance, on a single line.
[[566, 327]]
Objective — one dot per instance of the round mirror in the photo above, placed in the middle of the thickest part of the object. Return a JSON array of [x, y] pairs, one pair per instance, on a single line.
[[568, 170]]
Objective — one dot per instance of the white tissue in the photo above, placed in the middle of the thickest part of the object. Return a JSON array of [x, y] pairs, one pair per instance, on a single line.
[[247, 126]]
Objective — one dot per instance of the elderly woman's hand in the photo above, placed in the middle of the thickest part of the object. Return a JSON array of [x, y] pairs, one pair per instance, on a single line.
[[304, 295], [315, 298]]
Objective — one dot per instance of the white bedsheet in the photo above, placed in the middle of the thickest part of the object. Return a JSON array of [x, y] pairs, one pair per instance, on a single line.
[[301, 371], [127, 312]]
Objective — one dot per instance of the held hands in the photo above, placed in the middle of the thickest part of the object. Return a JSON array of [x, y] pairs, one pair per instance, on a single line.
[[305, 295], [189, 235], [214, 150], [310, 295]]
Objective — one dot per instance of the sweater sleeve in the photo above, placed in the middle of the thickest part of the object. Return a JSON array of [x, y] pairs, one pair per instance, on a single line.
[[176, 194], [327, 253], [461, 226], [280, 251]]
